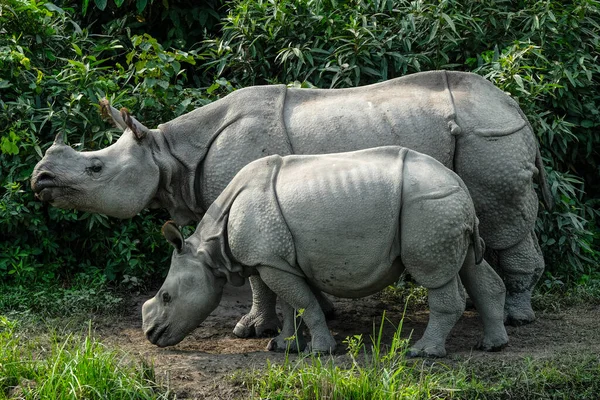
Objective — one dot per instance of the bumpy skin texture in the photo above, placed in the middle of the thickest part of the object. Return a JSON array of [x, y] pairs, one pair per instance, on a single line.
[[458, 118], [346, 224]]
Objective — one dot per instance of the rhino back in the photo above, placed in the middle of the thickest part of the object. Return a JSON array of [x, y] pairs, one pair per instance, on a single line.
[[413, 111], [343, 212]]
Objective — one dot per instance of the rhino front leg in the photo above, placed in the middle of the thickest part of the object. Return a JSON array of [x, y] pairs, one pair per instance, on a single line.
[[262, 319], [487, 291], [290, 338], [521, 267], [446, 305], [295, 291]]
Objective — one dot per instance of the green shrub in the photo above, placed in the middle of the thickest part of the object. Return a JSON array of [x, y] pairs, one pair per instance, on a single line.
[[54, 69], [52, 74]]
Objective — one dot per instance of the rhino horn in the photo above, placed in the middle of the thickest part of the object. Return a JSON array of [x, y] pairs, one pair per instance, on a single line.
[[109, 112], [138, 129], [58, 139]]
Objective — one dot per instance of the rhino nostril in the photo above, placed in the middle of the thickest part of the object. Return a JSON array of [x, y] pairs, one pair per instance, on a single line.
[[45, 176], [150, 331], [42, 180]]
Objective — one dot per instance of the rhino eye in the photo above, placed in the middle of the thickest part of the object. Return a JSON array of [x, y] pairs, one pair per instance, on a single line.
[[166, 297], [95, 167]]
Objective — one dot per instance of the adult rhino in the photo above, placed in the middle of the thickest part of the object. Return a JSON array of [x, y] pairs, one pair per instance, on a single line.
[[458, 118]]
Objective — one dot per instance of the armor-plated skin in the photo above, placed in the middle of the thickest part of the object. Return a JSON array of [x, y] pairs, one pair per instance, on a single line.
[[458, 118], [347, 224]]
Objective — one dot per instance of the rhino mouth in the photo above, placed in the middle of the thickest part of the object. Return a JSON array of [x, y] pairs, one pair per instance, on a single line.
[[49, 190], [45, 194], [44, 185], [155, 333], [56, 195]]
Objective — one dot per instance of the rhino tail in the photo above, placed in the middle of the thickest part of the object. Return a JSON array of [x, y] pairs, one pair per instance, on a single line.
[[478, 243], [543, 181]]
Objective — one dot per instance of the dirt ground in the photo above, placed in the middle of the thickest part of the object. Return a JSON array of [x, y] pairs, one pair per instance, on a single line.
[[197, 368]]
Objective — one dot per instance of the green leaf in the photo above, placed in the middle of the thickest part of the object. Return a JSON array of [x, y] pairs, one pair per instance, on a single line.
[[84, 6], [141, 5], [77, 49], [212, 88], [119, 3], [570, 77], [101, 4], [433, 32], [586, 123], [450, 22], [53, 7]]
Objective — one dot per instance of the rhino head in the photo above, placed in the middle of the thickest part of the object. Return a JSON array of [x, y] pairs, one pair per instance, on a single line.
[[119, 180], [191, 291]]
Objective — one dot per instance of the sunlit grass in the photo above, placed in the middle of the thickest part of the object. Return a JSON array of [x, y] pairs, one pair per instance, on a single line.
[[374, 370], [72, 367]]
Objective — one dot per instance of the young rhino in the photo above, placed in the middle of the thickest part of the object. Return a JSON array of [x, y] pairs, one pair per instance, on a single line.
[[346, 224]]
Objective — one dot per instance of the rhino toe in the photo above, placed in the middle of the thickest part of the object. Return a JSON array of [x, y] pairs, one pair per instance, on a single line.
[[255, 326]]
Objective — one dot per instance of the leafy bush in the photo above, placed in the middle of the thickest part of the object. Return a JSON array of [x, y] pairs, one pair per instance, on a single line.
[[52, 74], [54, 69], [179, 23], [544, 53]]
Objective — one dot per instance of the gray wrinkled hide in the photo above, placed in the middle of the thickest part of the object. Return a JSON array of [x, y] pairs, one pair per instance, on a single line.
[[460, 119], [346, 224]]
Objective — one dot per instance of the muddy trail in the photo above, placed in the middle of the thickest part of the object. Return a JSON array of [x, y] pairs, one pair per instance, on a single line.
[[199, 366]]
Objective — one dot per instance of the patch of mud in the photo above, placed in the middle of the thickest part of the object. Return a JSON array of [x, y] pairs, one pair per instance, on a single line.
[[199, 366]]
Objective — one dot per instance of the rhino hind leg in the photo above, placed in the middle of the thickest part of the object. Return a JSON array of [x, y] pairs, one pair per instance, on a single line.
[[325, 303], [262, 319], [487, 291], [446, 305], [521, 267]]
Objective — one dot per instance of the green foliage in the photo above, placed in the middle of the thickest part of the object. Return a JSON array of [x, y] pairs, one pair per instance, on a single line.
[[87, 293], [179, 23], [543, 53], [55, 66], [69, 368], [52, 74]]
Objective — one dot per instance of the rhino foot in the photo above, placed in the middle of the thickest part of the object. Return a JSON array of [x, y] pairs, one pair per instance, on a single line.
[[493, 344], [426, 349], [321, 345], [517, 309], [253, 325], [281, 344]]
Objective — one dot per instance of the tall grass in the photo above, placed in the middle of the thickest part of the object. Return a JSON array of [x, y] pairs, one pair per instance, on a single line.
[[377, 371], [70, 368], [374, 371]]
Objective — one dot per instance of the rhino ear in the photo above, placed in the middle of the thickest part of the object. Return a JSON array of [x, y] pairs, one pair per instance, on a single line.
[[173, 235], [58, 139], [139, 130], [109, 112]]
